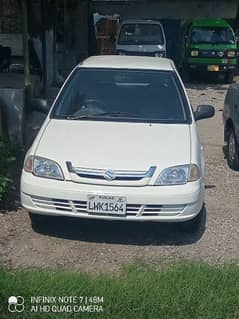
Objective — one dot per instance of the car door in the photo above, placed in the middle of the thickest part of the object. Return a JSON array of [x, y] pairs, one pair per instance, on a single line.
[[233, 104]]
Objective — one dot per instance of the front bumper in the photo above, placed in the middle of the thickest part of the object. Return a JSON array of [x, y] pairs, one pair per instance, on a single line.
[[204, 68], [148, 203], [198, 64], [161, 54]]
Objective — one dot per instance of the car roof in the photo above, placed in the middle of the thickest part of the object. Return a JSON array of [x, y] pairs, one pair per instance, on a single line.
[[209, 22], [128, 62]]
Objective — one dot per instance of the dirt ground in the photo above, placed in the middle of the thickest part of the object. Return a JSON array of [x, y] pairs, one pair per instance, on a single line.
[[95, 246]]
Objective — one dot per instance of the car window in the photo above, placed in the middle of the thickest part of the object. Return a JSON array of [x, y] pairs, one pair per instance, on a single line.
[[123, 94], [140, 34], [212, 35]]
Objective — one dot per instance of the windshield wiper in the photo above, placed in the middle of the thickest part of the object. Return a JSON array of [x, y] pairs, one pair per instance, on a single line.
[[110, 114], [78, 117], [118, 114]]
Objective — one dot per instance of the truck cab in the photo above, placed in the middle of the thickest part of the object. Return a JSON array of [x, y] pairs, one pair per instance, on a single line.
[[141, 37], [209, 45]]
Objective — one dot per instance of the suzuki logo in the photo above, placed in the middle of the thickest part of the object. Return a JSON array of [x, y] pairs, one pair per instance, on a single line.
[[109, 175]]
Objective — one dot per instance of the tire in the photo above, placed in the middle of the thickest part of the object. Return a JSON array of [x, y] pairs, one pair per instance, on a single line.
[[195, 224], [186, 75], [229, 77], [232, 150], [38, 221]]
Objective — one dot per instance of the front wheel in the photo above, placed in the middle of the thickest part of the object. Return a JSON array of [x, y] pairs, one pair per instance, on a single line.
[[229, 77], [195, 224], [232, 150], [38, 221]]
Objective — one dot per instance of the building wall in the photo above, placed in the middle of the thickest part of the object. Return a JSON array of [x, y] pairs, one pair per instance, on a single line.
[[81, 29], [10, 17], [174, 9]]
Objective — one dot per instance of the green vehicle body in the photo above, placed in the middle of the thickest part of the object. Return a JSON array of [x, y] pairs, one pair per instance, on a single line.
[[215, 56]]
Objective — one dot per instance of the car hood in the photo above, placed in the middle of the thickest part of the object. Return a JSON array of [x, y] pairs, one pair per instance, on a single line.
[[115, 145]]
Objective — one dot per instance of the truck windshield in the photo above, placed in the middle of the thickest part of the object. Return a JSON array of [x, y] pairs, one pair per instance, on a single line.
[[133, 34], [122, 95], [212, 35]]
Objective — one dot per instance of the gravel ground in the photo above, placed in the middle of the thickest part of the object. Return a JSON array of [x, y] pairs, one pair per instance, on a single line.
[[95, 246]]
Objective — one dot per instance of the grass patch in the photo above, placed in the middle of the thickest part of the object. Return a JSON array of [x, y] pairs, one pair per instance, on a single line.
[[178, 291]]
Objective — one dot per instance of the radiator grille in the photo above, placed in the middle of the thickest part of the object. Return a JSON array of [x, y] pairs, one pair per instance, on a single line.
[[75, 206]]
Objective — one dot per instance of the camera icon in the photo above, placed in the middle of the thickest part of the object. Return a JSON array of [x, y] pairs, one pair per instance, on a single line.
[[16, 304]]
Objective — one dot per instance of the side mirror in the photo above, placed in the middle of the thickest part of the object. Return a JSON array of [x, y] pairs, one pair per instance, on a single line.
[[40, 105], [204, 112]]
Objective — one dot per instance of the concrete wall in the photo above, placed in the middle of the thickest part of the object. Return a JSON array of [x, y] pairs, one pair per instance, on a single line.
[[80, 21], [177, 9], [10, 17]]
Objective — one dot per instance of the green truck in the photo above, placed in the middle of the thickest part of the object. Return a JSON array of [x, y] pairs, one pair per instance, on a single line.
[[209, 45]]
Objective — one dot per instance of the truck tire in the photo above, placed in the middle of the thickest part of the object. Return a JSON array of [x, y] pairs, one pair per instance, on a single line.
[[229, 77], [186, 75]]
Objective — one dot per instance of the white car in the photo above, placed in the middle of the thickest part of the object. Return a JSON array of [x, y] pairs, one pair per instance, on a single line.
[[119, 143], [141, 37]]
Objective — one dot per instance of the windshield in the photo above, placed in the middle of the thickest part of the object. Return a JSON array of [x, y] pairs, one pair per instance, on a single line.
[[212, 35], [126, 95], [133, 34]]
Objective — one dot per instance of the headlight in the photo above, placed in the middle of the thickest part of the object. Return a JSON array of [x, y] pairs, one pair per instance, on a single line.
[[160, 54], [43, 167], [194, 53], [178, 175], [231, 54]]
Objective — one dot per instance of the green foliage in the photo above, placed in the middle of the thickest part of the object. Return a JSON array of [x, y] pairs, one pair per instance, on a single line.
[[8, 153], [5, 183]]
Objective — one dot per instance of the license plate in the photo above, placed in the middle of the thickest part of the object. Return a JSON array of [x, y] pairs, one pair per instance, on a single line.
[[103, 204], [214, 68]]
